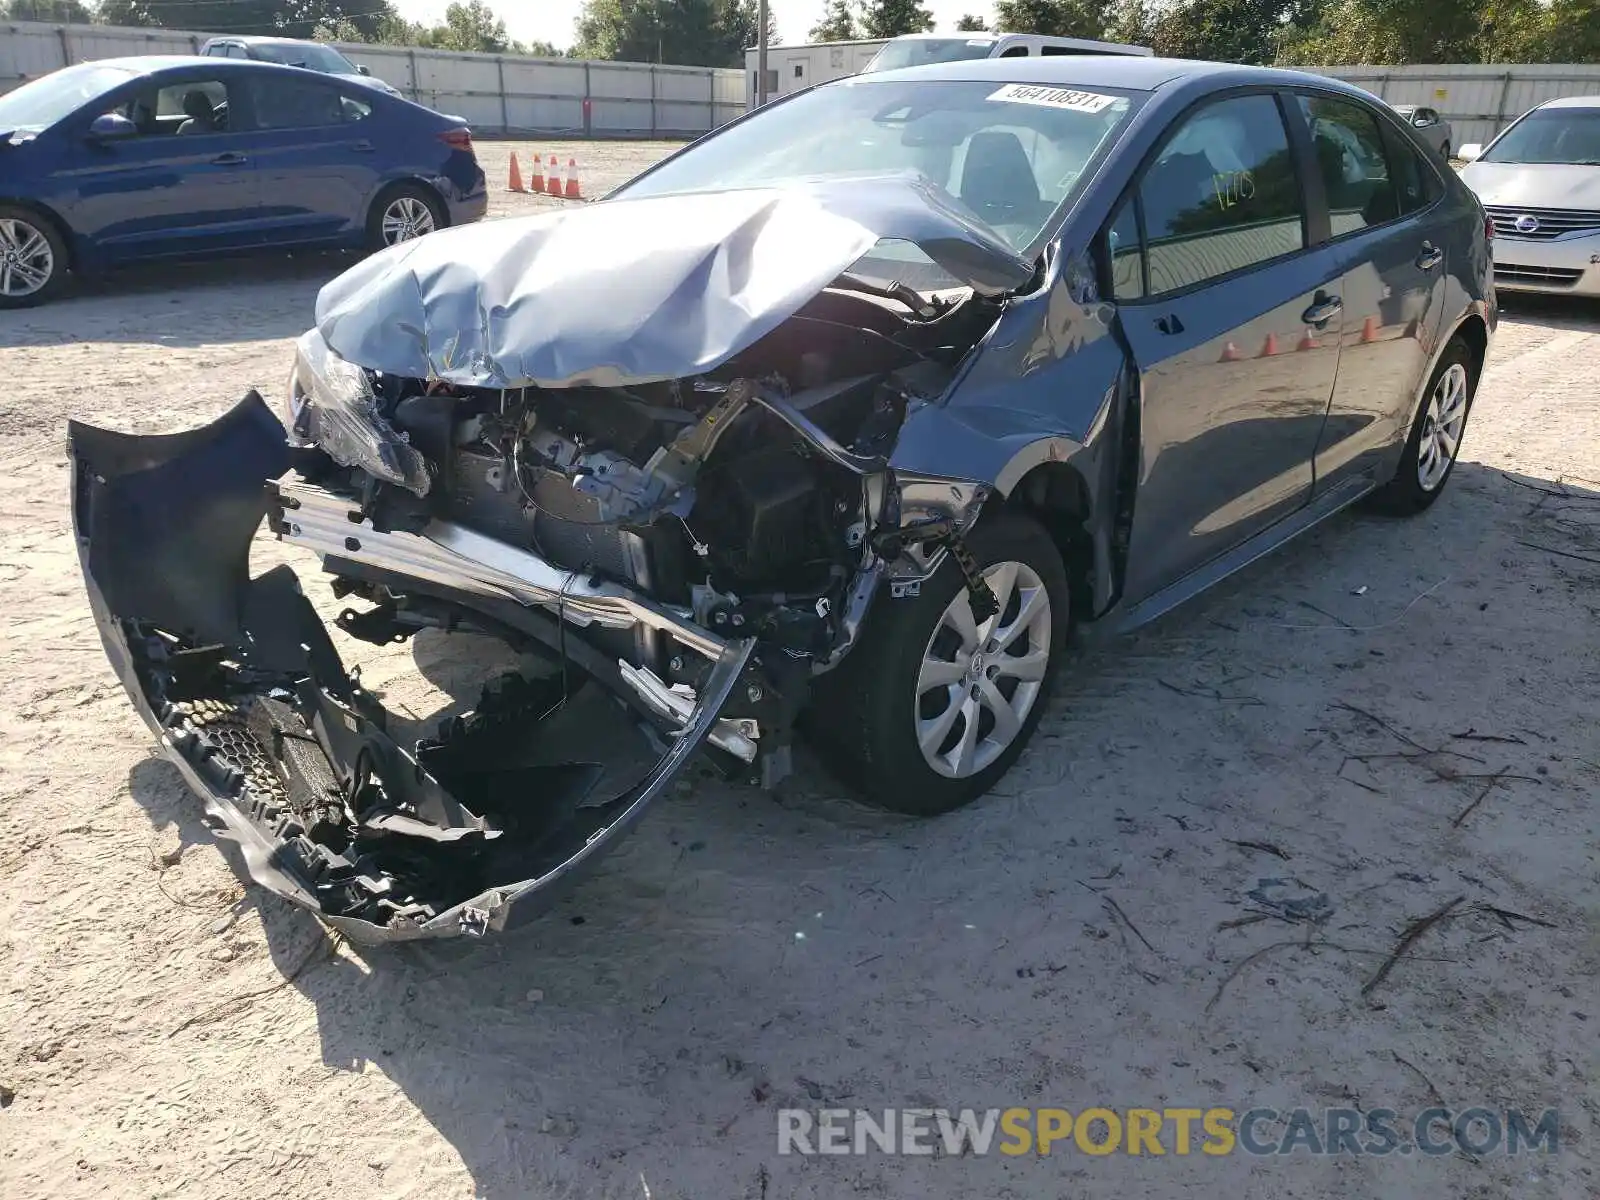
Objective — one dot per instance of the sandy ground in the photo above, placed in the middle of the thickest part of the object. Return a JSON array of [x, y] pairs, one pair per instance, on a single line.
[[1072, 940]]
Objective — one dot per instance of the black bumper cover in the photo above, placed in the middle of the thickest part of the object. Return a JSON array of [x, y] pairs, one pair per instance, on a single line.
[[247, 695]]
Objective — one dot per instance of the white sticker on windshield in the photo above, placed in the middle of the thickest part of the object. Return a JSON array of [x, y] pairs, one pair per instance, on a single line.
[[1049, 97]]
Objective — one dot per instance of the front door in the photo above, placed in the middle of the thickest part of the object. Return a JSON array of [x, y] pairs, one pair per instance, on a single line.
[[1235, 333], [181, 185]]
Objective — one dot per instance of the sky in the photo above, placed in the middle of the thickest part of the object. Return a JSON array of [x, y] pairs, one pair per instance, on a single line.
[[552, 20]]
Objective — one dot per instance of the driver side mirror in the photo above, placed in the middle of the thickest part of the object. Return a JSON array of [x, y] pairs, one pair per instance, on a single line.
[[363, 70], [112, 127], [1471, 152]]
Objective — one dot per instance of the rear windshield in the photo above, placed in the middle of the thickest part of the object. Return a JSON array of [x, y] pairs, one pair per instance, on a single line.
[[1551, 135], [1009, 153], [40, 104], [916, 52], [309, 55]]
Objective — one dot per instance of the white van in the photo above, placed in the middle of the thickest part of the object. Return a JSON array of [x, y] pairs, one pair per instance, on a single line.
[[919, 49]]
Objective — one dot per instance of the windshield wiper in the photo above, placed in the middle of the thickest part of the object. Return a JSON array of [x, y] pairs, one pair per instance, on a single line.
[[893, 290]]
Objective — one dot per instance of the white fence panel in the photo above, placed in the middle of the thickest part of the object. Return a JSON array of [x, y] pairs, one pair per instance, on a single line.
[[495, 93], [1478, 99]]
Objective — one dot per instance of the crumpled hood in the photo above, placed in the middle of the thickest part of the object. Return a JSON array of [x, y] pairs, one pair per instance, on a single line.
[[1534, 185], [633, 291]]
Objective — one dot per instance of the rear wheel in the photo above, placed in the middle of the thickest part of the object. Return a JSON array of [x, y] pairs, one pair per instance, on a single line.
[[933, 707], [33, 258], [1441, 420], [403, 213]]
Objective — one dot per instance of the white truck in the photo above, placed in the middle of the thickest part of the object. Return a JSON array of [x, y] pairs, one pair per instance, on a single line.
[[795, 68]]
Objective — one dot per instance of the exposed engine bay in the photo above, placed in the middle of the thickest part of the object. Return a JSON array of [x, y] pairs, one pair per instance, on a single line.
[[701, 547]]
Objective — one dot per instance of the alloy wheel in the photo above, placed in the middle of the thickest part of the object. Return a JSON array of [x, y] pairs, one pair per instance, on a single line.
[[1441, 427], [406, 218], [979, 680], [26, 260]]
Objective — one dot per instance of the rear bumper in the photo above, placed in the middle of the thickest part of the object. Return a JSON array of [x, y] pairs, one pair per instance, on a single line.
[[248, 698], [1568, 266]]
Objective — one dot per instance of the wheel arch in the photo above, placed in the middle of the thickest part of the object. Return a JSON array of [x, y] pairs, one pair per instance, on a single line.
[[45, 213], [1058, 496], [390, 186]]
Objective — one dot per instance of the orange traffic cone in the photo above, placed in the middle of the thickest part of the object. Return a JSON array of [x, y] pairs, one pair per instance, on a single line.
[[535, 174], [1230, 353], [1369, 330], [514, 183], [552, 179], [1309, 342], [1271, 348], [573, 192]]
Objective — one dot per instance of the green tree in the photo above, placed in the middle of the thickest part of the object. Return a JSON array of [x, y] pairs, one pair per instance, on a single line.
[[1132, 22], [278, 18], [704, 33], [1054, 18], [891, 18], [1239, 31], [971, 24], [57, 12], [838, 23], [1393, 31], [469, 26]]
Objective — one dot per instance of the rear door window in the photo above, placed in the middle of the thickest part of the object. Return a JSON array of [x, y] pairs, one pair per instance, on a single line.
[[1222, 195], [1415, 183], [295, 104], [1353, 163]]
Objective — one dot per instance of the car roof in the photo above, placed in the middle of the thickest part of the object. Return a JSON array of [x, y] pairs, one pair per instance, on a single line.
[[1573, 102], [1135, 72], [150, 64], [251, 39]]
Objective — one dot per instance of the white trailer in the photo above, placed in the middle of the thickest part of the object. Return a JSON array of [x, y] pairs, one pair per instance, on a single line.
[[795, 68]]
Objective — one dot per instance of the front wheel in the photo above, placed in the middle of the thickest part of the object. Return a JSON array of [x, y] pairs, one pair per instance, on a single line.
[[1430, 453], [33, 259], [403, 214], [933, 706]]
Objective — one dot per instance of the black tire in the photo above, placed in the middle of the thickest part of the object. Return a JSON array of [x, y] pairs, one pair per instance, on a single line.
[[1445, 150], [20, 230], [1407, 494], [377, 239], [864, 714]]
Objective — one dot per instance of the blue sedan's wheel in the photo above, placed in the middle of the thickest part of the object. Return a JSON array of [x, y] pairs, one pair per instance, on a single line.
[[1435, 439], [403, 214], [32, 258]]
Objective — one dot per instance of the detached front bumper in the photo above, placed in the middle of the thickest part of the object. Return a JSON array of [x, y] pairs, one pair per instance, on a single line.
[[247, 695]]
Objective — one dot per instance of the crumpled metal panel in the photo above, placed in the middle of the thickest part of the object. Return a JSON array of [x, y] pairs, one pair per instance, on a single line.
[[634, 291]]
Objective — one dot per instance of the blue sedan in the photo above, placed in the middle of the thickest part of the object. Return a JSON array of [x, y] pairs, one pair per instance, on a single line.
[[135, 159]]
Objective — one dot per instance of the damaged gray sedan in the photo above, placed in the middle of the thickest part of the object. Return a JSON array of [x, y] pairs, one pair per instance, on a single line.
[[837, 420]]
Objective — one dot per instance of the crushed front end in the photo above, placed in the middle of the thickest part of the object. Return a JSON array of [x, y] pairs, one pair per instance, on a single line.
[[700, 535]]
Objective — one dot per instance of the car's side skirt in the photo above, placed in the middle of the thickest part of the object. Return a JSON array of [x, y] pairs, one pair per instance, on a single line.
[[1168, 598]]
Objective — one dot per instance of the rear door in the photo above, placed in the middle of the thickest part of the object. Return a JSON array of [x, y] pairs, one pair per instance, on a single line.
[[1382, 212], [1234, 327], [316, 155], [181, 186]]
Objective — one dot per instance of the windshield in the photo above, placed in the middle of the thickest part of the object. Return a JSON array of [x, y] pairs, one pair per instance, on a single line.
[[309, 55], [916, 52], [1011, 154], [1551, 135], [42, 103]]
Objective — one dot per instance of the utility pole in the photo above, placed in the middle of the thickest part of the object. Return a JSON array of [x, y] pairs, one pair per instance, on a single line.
[[761, 53]]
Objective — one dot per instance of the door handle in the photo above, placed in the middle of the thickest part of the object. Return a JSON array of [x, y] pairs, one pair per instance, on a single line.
[[363, 146], [1322, 310], [229, 159], [1169, 324], [1430, 257]]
